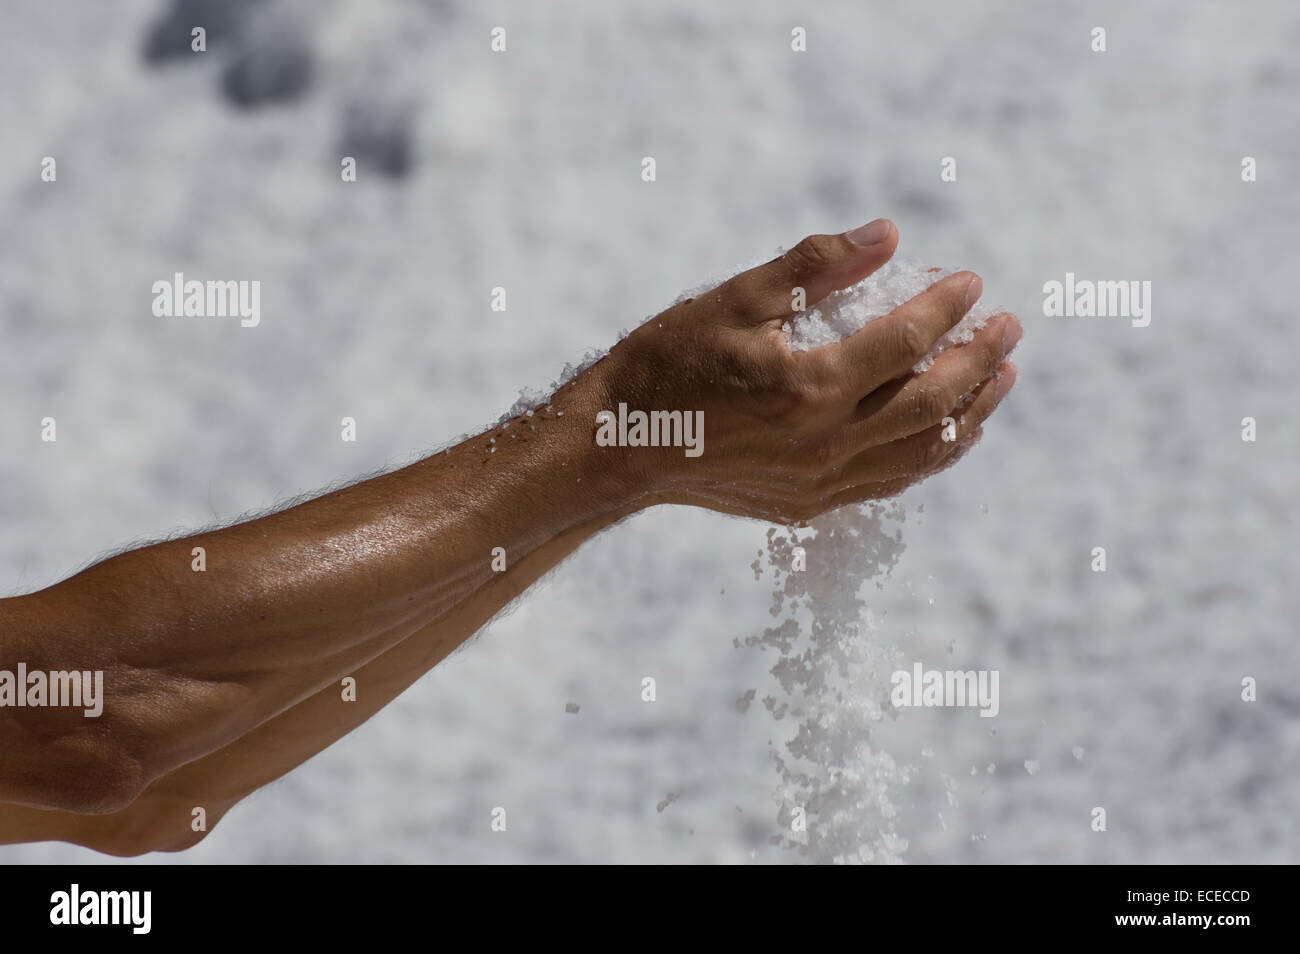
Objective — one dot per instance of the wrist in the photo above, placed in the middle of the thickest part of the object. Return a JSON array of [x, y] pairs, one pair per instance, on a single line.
[[624, 478]]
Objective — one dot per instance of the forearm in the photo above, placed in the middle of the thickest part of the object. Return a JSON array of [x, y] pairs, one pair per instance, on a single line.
[[290, 603], [162, 817]]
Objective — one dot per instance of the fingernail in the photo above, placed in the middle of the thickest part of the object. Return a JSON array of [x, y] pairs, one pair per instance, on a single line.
[[973, 290], [1011, 332], [872, 233], [1006, 378]]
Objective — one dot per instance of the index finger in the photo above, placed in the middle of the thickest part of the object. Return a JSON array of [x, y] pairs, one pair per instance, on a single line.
[[887, 347]]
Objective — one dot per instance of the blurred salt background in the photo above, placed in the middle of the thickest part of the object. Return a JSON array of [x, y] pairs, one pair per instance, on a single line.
[[523, 170]]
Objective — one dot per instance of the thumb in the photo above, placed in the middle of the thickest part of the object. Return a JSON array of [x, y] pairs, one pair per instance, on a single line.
[[820, 264]]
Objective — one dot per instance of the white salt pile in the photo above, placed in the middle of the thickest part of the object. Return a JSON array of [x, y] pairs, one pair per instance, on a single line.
[[841, 313]]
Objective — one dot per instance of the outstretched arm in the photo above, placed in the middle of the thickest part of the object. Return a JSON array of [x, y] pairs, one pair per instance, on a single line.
[[217, 682], [162, 819], [287, 605]]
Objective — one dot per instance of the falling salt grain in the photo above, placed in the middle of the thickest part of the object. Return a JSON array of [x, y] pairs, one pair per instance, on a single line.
[[1031, 766], [821, 634]]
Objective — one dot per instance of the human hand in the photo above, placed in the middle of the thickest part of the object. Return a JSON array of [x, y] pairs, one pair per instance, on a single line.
[[791, 434]]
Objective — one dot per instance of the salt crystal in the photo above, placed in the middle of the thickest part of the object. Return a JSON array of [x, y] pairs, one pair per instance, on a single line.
[[844, 312]]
